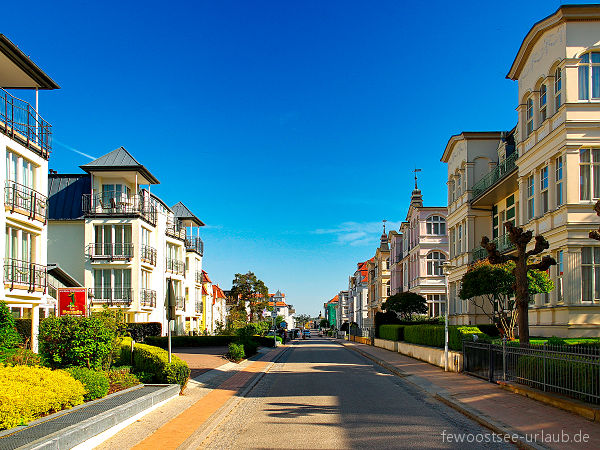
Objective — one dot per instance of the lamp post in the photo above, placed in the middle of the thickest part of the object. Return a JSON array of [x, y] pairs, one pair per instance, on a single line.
[[447, 268]]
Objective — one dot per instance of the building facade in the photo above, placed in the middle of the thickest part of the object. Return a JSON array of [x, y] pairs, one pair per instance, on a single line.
[[379, 276], [358, 295]]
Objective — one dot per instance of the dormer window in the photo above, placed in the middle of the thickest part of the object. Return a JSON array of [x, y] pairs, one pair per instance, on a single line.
[[543, 101], [529, 116], [557, 89], [589, 74]]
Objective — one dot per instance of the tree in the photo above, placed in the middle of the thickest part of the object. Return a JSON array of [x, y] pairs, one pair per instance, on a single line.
[[324, 323], [490, 288], [9, 337], [301, 319], [520, 239], [406, 304], [248, 289]]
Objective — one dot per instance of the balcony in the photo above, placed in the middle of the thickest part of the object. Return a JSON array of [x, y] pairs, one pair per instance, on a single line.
[[198, 276], [176, 266], [25, 200], [148, 254], [198, 307], [147, 298], [503, 244], [122, 296], [101, 205], [180, 303], [194, 244], [21, 122], [175, 230], [110, 251], [25, 274], [496, 174]]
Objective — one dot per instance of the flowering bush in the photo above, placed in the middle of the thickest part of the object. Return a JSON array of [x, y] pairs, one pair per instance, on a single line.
[[27, 393]]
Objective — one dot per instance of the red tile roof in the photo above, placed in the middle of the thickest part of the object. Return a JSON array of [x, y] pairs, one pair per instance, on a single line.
[[278, 304], [206, 279]]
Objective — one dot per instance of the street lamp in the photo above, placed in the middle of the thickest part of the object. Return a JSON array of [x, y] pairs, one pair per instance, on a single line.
[[447, 268]]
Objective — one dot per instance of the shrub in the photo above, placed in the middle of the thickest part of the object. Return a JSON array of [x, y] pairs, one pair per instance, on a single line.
[[392, 332], [553, 340], [27, 393], [9, 337], [433, 335], [489, 329], [250, 348], [247, 332], [189, 341], [121, 378], [96, 384], [141, 330], [20, 357], [236, 352], [23, 327], [75, 341]]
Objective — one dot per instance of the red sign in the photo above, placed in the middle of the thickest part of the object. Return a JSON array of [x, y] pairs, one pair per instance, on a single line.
[[72, 302]]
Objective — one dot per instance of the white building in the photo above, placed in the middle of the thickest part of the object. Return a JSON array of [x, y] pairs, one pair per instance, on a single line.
[[358, 306]]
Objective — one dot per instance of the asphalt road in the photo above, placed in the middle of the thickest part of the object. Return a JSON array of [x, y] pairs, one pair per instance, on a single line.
[[322, 395]]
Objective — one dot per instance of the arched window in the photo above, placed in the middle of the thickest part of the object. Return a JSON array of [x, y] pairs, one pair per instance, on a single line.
[[434, 263], [557, 89], [436, 225], [529, 116], [543, 102], [589, 74]]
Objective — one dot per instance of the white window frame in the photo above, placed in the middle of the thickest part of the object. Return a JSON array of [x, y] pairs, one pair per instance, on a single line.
[[589, 167], [543, 102], [589, 65], [557, 89], [544, 200], [559, 168], [435, 260], [530, 197]]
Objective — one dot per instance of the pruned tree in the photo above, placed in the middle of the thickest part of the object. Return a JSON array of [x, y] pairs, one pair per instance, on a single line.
[[405, 304], [247, 289], [520, 239], [490, 288]]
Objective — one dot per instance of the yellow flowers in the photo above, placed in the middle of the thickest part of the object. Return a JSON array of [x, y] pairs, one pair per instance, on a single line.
[[27, 393]]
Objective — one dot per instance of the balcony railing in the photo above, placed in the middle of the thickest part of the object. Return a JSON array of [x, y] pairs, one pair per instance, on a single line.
[[19, 273], [497, 173], [175, 266], [194, 244], [198, 276], [111, 205], [147, 298], [148, 254], [198, 306], [180, 303], [175, 230], [20, 121], [119, 296], [503, 244], [26, 200], [110, 251]]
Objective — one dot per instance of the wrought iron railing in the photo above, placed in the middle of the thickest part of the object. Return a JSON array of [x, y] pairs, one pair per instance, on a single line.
[[175, 266], [118, 296], [19, 273], [503, 244], [18, 197], [110, 251], [198, 276], [572, 370], [194, 244], [20, 121], [497, 173], [175, 229], [112, 205], [147, 298], [148, 254], [180, 303]]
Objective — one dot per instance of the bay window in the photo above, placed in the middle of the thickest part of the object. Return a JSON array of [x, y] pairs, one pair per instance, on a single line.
[[434, 263], [589, 75], [589, 174], [590, 274], [436, 225]]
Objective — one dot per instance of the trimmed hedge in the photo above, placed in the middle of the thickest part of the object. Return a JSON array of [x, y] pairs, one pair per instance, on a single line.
[[266, 341], [27, 393], [96, 383], [154, 361], [433, 335], [392, 332], [139, 331], [250, 348], [190, 341], [236, 352]]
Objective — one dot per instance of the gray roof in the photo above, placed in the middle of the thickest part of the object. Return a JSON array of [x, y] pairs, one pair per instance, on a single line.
[[119, 160], [182, 212], [65, 194], [26, 66], [61, 275]]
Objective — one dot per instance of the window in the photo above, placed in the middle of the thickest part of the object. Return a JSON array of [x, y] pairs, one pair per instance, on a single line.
[[114, 193], [543, 101], [590, 274], [451, 191], [459, 240], [113, 240], [112, 284], [436, 305], [589, 174], [495, 221], [589, 74], [559, 181], [434, 263], [544, 190], [557, 89], [529, 116], [451, 246], [530, 200], [458, 185], [19, 170], [511, 209], [436, 225], [19, 245], [559, 274]]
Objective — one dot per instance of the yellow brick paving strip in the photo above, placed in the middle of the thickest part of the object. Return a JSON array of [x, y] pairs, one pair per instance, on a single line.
[[175, 432]]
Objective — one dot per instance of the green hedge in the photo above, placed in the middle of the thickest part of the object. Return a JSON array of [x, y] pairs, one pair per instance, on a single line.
[[433, 335], [266, 341], [96, 384], [236, 352], [23, 327], [190, 341], [154, 361], [139, 331], [392, 332]]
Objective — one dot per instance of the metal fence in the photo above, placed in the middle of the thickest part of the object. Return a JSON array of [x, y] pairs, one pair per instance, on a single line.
[[571, 370]]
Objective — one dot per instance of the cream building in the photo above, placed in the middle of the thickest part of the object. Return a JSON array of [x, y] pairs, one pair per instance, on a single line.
[[358, 295], [107, 230], [379, 276], [25, 138], [548, 179]]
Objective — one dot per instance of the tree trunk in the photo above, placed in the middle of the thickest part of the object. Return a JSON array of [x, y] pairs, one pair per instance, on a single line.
[[522, 299]]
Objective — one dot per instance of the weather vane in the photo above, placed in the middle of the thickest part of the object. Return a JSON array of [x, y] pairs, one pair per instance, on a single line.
[[415, 171], [384, 221]]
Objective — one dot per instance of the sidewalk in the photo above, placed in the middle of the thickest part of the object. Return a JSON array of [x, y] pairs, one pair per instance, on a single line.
[[492, 405]]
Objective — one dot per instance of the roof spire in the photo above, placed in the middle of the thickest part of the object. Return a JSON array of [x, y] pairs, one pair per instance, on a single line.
[[384, 221], [415, 171]]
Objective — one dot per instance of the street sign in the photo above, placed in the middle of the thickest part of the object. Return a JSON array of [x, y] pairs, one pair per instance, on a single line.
[[72, 301]]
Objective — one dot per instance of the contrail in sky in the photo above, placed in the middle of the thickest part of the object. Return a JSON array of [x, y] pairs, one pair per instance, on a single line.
[[68, 147]]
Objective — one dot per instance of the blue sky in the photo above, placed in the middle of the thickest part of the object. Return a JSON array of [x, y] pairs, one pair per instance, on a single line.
[[297, 123]]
